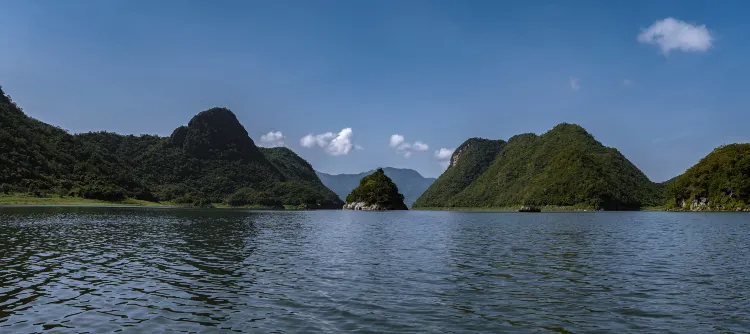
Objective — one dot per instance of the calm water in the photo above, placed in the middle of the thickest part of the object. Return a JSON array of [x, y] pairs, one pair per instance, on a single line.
[[153, 270]]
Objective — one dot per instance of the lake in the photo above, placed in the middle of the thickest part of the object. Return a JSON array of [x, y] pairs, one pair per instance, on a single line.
[[140, 270]]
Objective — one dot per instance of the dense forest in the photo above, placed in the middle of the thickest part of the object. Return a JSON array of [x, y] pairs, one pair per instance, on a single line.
[[719, 181], [476, 155], [211, 160], [377, 189], [565, 166], [409, 182]]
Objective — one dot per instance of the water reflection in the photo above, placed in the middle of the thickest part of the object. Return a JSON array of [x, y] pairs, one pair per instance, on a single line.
[[149, 270]]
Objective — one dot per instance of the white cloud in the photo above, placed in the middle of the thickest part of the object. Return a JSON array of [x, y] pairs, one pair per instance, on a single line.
[[444, 153], [407, 149], [321, 140], [358, 147], [342, 144], [396, 140], [670, 34], [443, 156], [272, 139], [628, 82], [574, 85], [332, 143], [420, 146]]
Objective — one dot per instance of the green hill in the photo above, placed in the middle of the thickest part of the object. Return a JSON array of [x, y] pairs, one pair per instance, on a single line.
[[719, 181], [409, 182], [376, 192], [565, 166], [469, 160], [211, 160]]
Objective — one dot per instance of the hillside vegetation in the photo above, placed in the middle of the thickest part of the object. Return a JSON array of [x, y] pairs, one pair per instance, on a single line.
[[211, 160], [564, 167], [475, 156], [719, 181], [379, 190]]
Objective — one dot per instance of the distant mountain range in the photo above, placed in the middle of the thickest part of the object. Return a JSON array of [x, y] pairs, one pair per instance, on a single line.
[[210, 160], [567, 167], [213, 160], [563, 167], [409, 182]]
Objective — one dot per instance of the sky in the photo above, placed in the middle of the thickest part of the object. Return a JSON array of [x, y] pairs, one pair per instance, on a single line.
[[354, 85]]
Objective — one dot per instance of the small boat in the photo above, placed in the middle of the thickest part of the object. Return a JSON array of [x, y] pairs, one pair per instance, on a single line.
[[529, 209]]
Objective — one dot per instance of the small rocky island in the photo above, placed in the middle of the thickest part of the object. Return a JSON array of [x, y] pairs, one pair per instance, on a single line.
[[376, 192]]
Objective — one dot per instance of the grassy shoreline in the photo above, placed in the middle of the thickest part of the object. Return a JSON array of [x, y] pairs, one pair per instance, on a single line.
[[22, 199], [30, 200]]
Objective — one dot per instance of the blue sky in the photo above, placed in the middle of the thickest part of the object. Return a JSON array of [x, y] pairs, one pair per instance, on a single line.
[[433, 72]]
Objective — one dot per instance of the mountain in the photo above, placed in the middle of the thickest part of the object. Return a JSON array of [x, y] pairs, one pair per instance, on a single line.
[[376, 192], [719, 181], [475, 155], [210, 160], [565, 166], [409, 182]]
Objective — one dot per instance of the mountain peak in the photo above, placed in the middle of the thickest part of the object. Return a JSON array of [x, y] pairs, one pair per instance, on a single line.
[[216, 133]]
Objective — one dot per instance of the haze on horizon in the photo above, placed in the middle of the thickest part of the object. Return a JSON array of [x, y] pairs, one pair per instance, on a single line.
[[351, 86]]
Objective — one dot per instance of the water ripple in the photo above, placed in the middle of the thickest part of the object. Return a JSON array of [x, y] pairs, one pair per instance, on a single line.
[[157, 270]]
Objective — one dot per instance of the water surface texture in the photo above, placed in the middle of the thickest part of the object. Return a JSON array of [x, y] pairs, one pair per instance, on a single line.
[[102, 270]]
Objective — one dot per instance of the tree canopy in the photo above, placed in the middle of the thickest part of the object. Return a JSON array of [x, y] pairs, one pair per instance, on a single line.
[[564, 167], [722, 177], [377, 188]]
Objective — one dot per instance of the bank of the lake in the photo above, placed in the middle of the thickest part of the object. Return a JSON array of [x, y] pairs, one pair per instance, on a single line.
[[512, 208], [23, 199], [30, 200]]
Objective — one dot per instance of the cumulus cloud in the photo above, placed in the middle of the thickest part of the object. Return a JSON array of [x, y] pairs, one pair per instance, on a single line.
[[574, 85], [342, 143], [332, 143], [671, 34], [443, 155], [420, 146], [407, 149], [396, 140], [272, 139], [320, 140]]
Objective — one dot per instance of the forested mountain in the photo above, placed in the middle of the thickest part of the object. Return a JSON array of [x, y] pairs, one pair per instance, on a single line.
[[719, 181], [376, 192], [565, 166], [410, 183], [212, 159], [476, 155]]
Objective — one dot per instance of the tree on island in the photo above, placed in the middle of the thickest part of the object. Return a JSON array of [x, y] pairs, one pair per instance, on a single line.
[[376, 192]]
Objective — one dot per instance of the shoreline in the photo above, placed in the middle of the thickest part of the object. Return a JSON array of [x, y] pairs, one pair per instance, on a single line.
[[18, 200], [22, 200]]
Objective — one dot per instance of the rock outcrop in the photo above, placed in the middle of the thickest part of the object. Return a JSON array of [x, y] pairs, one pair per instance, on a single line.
[[362, 206]]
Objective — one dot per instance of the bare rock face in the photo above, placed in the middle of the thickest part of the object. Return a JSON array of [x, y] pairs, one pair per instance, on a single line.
[[456, 155], [699, 203], [363, 206]]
